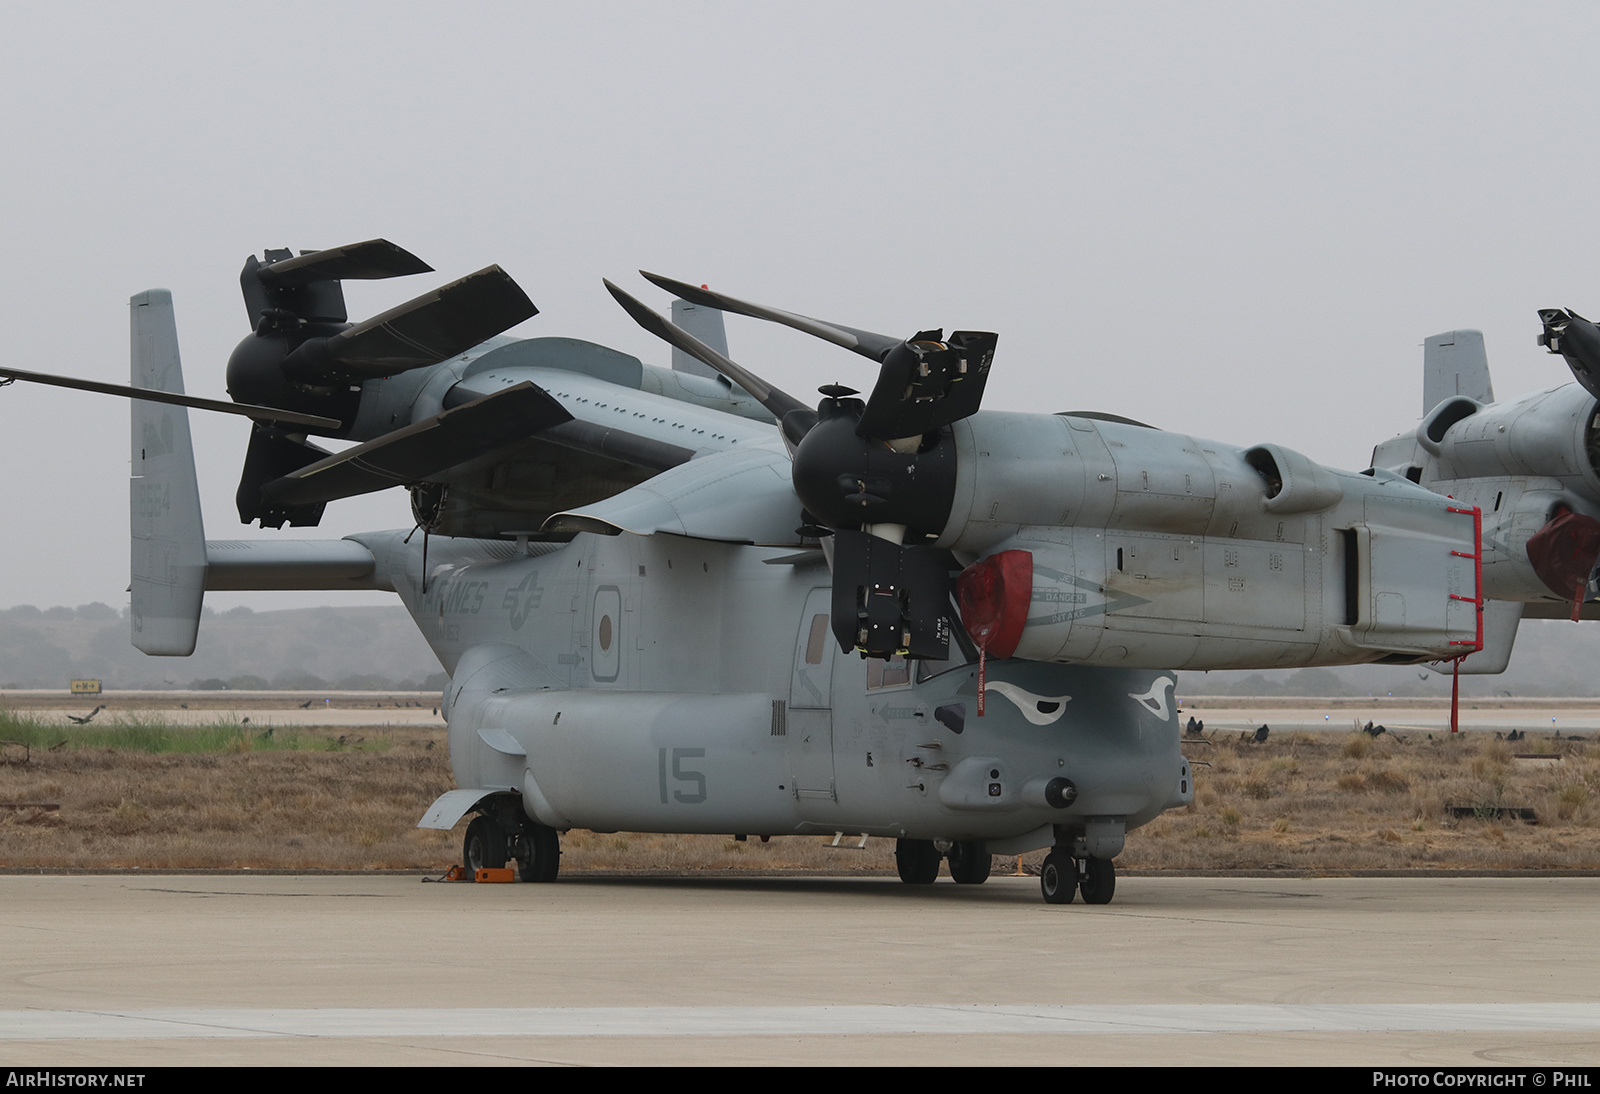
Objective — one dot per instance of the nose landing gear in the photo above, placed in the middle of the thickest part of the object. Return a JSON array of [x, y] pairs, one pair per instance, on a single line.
[[1062, 875], [1058, 877], [1097, 880], [492, 841]]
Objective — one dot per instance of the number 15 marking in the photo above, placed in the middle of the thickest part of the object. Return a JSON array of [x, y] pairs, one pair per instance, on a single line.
[[696, 778]]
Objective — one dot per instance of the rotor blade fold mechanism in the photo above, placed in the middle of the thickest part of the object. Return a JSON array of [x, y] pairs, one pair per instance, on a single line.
[[879, 474]]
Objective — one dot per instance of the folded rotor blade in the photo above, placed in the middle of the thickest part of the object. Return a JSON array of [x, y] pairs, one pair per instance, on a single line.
[[776, 400], [372, 260], [924, 384], [864, 342], [247, 410], [413, 454], [431, 328], [1575, 339], [927, 383], [270, 456]]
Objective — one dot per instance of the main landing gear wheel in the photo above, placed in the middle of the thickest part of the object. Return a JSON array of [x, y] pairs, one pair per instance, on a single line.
[[917, 860], [485, 846], [969, 863], [1058, 878], [538, 853], [1099, 881]]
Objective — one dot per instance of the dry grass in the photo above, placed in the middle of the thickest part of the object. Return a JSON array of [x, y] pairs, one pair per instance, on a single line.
[[1316, 801], [290, 809], [1344, 801]]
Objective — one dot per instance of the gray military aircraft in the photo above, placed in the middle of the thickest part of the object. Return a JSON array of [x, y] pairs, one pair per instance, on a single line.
[[682, 600], [1530, 464]]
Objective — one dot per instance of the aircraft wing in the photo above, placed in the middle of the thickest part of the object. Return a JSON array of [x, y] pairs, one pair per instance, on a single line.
[[743, 495]]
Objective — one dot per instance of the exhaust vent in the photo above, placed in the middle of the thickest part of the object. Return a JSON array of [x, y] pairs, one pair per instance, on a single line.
[[1431, 430], [1294, 483]]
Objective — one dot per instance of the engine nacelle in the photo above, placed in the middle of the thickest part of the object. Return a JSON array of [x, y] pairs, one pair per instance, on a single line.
[[1522, 462], [1153, 549], [1550, 435]]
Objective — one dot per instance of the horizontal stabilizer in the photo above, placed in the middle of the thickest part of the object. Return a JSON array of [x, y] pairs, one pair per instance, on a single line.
[[257, 564], [417, 452]]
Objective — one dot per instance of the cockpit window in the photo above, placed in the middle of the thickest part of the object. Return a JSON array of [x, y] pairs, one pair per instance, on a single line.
[[817, 640], [887, 674], [927, 670]]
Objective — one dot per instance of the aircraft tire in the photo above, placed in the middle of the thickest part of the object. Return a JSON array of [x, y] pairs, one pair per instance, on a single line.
[[969, 863], [1058, 878], [538, 853], [1099, 881], [917, 860], [484, 846]]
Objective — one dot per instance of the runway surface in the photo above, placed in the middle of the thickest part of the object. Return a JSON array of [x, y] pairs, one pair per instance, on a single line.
[[150, 970]]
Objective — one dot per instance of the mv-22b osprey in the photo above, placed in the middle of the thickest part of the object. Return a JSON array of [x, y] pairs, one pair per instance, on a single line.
[[685, 601]]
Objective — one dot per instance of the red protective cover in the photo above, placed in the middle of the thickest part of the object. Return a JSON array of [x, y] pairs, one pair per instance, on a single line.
[[1564, 551], [993, 594]]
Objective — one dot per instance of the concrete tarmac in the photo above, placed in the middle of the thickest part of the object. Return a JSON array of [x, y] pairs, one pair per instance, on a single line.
[[143, 970]]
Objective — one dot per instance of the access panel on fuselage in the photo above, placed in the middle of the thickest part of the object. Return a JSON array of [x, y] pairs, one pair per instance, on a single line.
[[809, 721]]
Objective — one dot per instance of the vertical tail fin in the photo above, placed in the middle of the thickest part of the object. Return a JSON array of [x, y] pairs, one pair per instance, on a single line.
[[1455, 363], [169, 549], [705, 324]]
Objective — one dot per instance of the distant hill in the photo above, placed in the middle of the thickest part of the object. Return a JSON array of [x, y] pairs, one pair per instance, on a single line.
[[380, 648], [364, 647], [1551, 658]]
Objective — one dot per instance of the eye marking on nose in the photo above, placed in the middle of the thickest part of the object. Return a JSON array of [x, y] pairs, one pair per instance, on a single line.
[[1041, 710]]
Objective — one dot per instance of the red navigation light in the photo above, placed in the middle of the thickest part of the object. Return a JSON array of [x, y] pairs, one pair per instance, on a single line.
[[993, 594]]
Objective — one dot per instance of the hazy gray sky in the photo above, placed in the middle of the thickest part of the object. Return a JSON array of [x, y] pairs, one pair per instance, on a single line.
[[1234, 220]]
